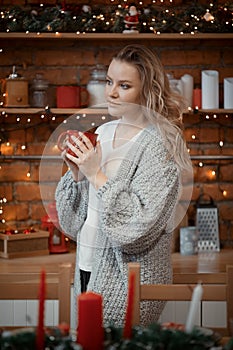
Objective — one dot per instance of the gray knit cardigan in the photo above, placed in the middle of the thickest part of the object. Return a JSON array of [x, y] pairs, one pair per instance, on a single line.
[[136, 207]]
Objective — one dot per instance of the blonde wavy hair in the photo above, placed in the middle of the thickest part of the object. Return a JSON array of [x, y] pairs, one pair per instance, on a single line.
[[164, 107]]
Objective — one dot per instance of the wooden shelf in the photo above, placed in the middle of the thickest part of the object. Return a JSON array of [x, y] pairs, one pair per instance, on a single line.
[[117, 36], [59, 158], [217, 111], [14, 110]]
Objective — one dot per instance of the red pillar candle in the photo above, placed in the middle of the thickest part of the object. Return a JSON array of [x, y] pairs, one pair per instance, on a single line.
[[197, 98], [90, 332], [40, 327], [130, 304]]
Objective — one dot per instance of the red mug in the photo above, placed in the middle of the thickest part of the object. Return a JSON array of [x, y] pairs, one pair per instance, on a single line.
[[72, 97], [67, 135]]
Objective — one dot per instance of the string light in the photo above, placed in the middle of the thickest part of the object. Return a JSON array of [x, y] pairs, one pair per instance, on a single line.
[[221, 143], [3, 200], [28, 174], [224, 193]]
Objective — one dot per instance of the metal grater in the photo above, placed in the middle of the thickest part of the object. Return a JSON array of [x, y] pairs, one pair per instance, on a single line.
[[207, 225]]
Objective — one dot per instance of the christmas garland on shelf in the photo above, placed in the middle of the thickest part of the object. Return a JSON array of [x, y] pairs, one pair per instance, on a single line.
[[153, 337], [192, 18]]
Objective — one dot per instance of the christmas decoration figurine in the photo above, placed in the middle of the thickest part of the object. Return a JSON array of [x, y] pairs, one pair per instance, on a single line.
[[131, 21]]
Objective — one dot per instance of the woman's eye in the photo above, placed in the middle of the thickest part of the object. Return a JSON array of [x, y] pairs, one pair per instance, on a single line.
[[125, 86], [108, 82]]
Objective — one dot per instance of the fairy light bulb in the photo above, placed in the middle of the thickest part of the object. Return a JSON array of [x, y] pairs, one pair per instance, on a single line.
[[23, 147], [193, 137], [211, 174], [2, 201], [28, 174], [221, 143], [200, 164], [224, 193]]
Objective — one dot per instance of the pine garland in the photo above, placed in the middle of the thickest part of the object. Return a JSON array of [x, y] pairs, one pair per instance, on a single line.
[[153, 337], [190, 18]]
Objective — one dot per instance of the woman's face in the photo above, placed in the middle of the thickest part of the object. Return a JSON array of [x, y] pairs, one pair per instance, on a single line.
[[123, 87]]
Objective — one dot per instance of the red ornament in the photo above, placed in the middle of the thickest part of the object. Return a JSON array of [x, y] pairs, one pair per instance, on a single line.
[[64, 328], [27, 231], [9, 232]]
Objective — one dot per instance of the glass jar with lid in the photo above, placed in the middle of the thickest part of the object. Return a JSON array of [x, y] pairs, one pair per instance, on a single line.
[[96, 85], [39, 91]]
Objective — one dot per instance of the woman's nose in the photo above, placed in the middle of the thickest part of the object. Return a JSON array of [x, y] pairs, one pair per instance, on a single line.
[[113, 92]]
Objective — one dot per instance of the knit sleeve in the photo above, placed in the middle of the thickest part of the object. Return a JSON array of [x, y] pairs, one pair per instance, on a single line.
[[136, 210], [71, 203]]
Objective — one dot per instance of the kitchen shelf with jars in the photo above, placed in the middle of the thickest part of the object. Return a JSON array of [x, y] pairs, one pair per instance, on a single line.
[[205, 106]]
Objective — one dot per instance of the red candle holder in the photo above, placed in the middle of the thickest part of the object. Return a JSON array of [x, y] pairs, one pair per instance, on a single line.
[[58, 242]]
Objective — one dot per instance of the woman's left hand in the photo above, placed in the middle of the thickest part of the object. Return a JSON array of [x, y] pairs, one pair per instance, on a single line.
[[88, 157]]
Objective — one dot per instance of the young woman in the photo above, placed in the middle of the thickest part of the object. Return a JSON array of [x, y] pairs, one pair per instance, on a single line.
[[119, 199]]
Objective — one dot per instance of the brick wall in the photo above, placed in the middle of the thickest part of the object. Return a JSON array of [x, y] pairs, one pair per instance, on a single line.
[[61, 62]]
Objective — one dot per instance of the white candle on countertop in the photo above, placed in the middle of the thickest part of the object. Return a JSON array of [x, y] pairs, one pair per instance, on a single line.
[[196, 298]]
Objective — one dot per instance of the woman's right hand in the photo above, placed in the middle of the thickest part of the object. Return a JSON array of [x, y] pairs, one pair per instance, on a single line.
[[76, 173]]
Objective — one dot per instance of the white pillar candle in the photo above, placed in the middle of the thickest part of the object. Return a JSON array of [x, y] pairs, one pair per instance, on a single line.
[[187, 81], [210, 89], [196, 298], [228, 93]]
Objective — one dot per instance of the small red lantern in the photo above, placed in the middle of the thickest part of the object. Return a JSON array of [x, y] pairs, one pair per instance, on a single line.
[[58, 242]]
